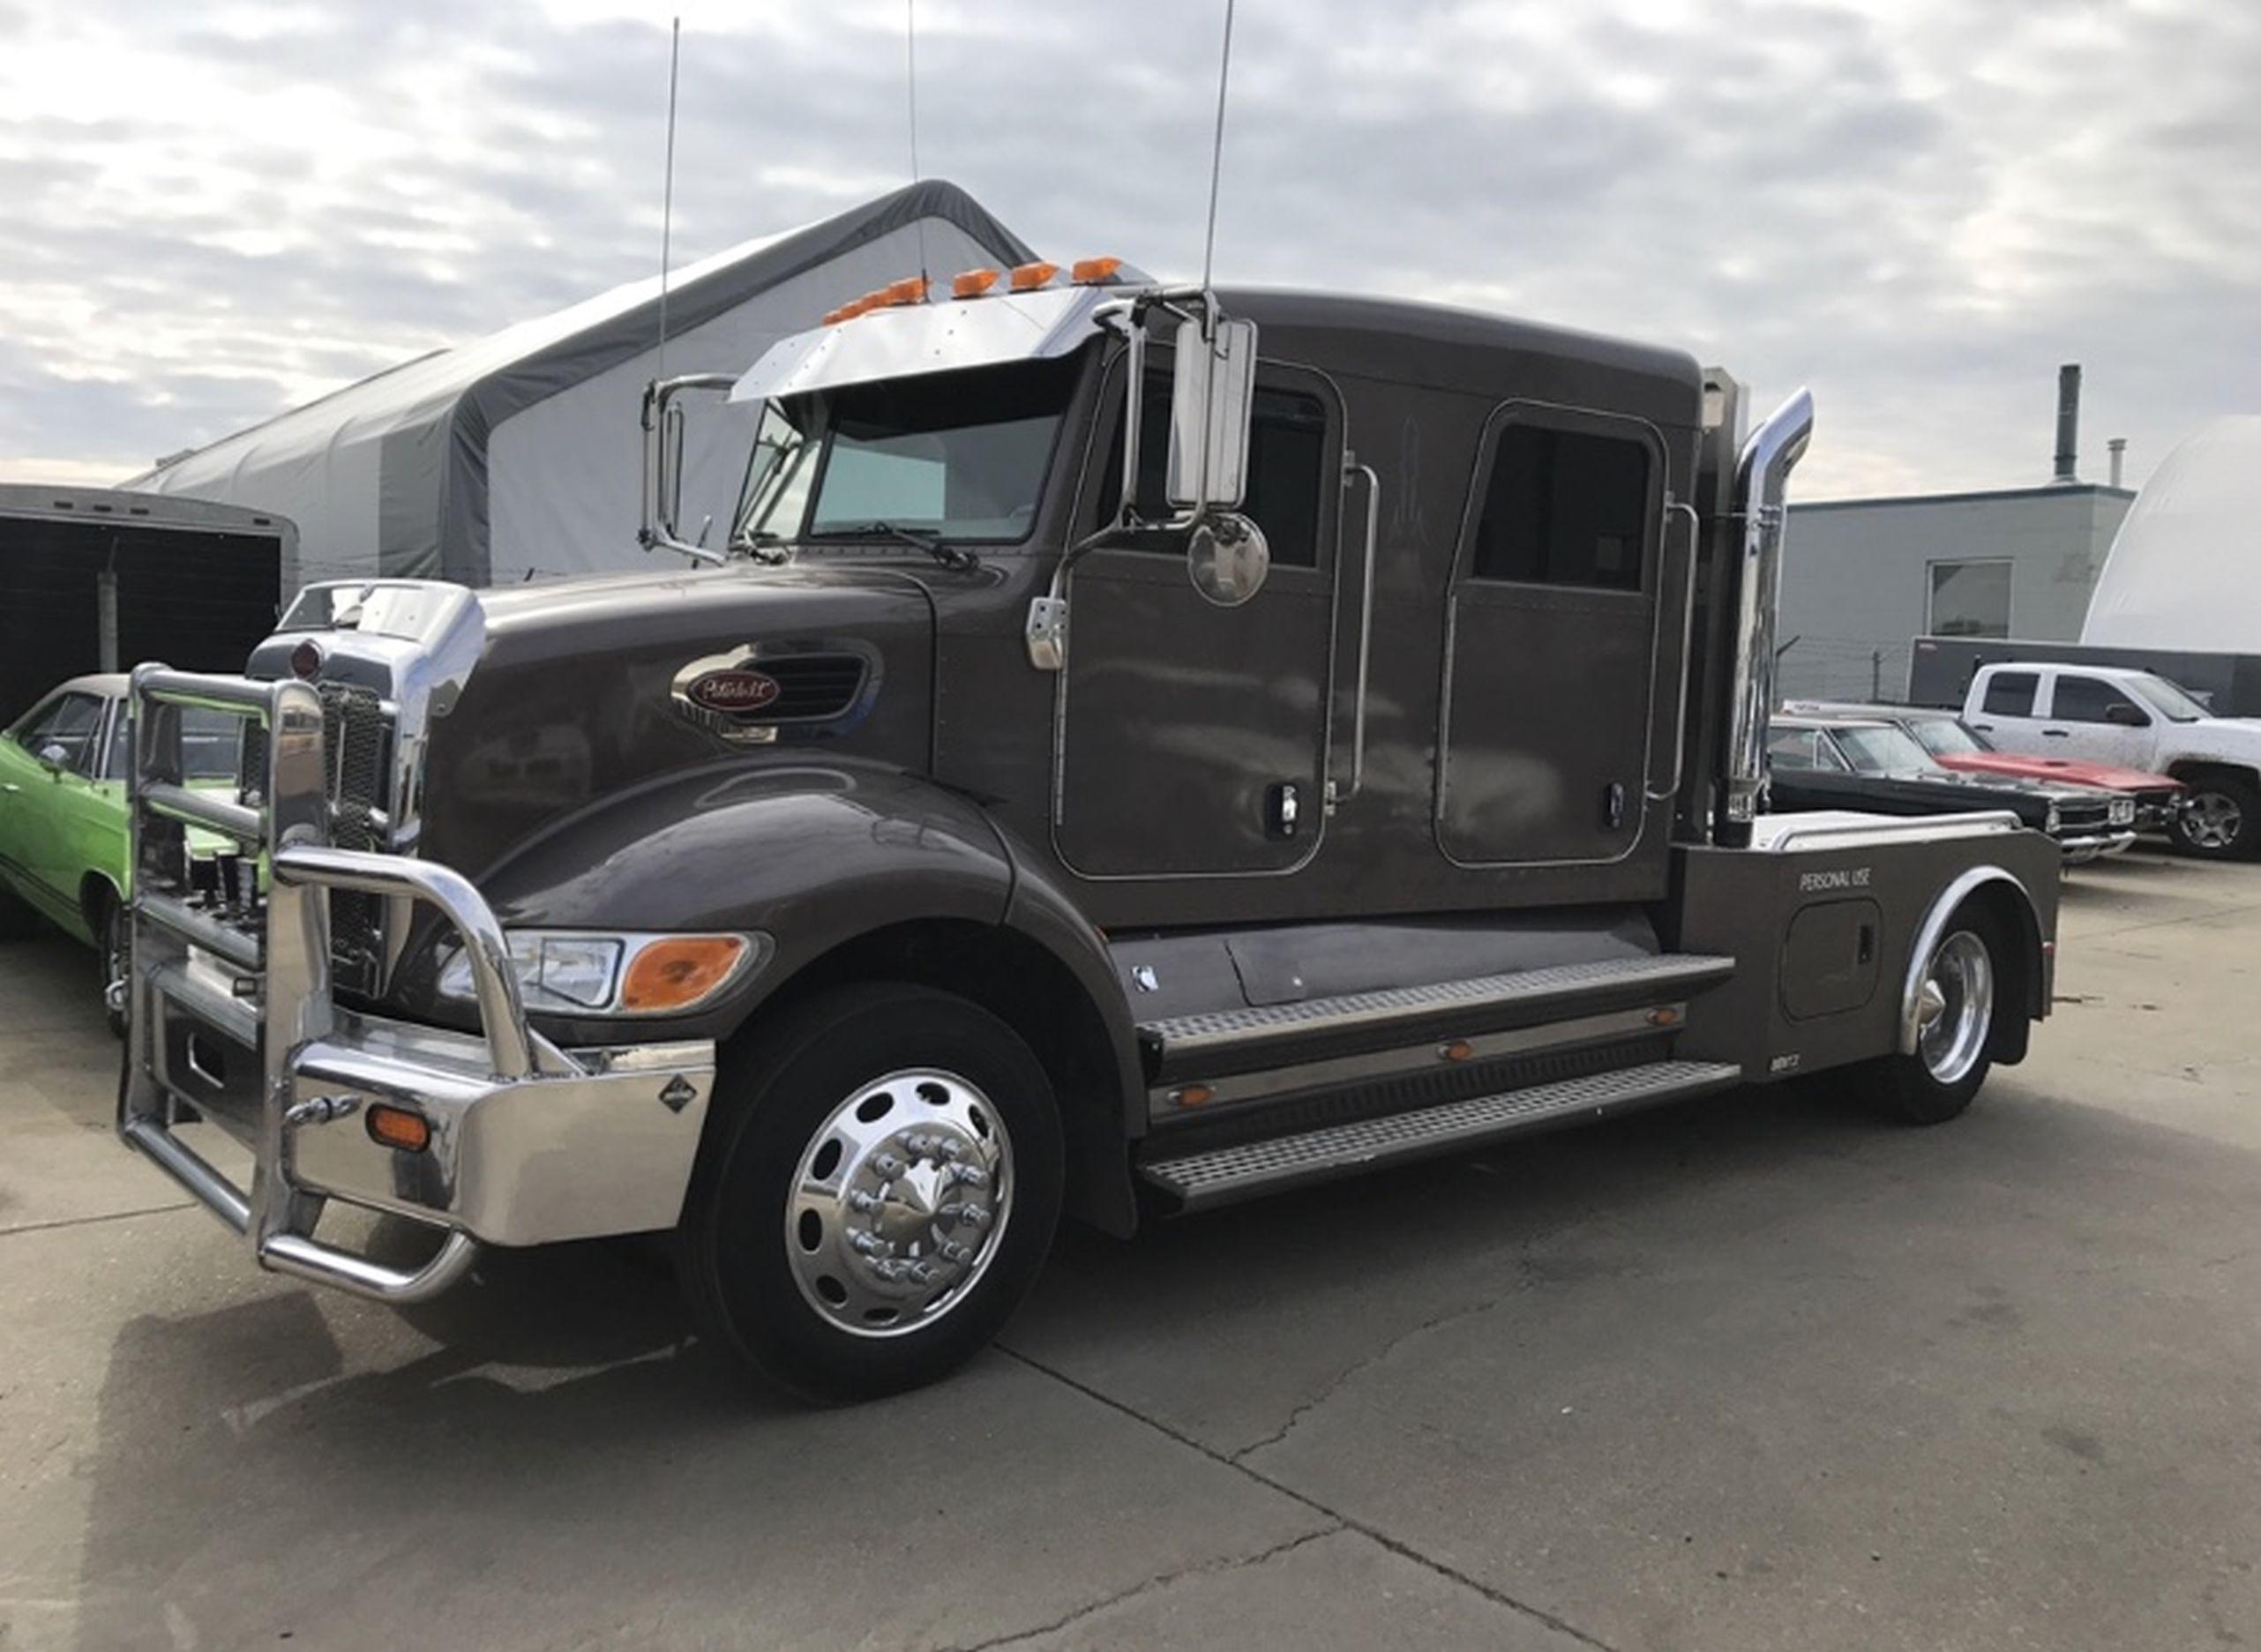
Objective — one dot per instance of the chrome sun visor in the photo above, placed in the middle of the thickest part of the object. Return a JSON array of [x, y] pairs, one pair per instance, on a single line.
[[941, 337]]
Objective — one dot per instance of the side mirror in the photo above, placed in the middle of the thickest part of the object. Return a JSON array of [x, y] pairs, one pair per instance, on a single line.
[[1211, 400], [56, 757], [2126, 715], [1228, 559], [664, 425]]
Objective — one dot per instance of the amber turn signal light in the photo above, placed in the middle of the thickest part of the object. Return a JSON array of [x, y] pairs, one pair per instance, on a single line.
[[673, 975], [391, 1126]]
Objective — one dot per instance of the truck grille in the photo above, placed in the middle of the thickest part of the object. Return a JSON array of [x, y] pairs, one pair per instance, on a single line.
[[2084, 816], [357, 740]]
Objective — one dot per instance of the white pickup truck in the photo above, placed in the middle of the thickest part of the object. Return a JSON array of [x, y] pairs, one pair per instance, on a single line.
[[2139, 719]]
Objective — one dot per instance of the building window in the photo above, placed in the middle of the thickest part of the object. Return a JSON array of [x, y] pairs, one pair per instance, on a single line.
[[1969, 599], [1564, 507]]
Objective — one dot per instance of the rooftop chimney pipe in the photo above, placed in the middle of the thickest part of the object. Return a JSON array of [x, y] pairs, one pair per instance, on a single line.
[[2118, 446], [2068, 422]]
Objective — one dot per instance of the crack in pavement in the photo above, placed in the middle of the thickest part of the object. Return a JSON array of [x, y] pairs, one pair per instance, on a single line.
[[1342, 1378], [1161, 1580], [108, 1215], [1498, 1597]]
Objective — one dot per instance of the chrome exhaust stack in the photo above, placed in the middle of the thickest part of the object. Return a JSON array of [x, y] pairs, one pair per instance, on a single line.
[[1761, 476]]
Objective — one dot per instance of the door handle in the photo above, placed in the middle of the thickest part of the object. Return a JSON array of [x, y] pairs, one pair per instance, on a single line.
[[10, 786], [1983, 728], [2058, 733]]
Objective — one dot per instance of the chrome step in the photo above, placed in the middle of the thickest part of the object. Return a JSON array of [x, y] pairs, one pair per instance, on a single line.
[[1183, 1044], [1225, 1175]]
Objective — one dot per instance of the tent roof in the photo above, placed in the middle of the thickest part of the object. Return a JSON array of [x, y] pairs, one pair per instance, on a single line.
[[2185, 569], [522, 363]]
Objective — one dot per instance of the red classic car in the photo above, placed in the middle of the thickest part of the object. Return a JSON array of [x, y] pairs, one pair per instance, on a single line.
[[1953, 744]]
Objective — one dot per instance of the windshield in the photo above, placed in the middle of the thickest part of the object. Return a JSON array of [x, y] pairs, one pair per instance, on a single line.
[[2168, 700], [209, 742], [1945, 736], [1880, 748], [958, 456]]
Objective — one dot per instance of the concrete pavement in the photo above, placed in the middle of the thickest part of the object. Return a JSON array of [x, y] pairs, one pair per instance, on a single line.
[[1754, 1373]]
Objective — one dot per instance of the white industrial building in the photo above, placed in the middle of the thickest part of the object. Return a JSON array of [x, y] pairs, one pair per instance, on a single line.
[[1862, 578]]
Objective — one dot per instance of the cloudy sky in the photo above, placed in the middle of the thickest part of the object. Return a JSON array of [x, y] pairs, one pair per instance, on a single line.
[[209, 212]]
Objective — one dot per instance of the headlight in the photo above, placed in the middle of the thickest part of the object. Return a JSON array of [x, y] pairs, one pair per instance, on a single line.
[[614, 974], [2124, 812], [2055, 819]]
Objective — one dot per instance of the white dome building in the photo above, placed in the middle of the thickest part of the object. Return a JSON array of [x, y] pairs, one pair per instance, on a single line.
[[2184, 570]]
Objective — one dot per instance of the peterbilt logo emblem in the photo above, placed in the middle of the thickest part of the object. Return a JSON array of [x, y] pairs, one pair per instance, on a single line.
[[733, 693]]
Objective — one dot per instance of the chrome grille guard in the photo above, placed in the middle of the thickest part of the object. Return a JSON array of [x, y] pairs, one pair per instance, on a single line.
[[231, 1020]]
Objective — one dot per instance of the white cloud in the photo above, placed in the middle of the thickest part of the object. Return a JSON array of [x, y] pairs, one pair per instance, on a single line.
[[1919, 206]]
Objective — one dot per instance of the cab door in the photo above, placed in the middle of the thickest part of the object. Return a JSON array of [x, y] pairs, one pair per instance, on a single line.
[[1190, 739], [2093, 718], [1550, 644]]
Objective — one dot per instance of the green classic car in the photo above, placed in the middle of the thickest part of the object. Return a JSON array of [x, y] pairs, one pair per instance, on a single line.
[[62, 817]]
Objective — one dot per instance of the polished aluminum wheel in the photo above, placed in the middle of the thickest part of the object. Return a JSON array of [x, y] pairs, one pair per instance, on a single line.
[[900, 1203], [2211, 820], [1955, 1007]]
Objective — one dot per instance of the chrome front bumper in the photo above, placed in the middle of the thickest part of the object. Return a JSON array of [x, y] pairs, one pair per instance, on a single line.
[[232, 1021], [2080, 849]]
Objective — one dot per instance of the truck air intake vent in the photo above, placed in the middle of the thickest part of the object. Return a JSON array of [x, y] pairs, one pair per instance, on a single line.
[[810, 687], [759, 697]]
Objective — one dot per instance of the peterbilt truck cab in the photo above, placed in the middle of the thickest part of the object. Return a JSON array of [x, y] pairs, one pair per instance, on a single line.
[[1135, 749]]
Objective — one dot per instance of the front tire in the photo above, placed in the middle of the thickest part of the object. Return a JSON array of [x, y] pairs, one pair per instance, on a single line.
[[111, 945], [880, 1183], [2219, 820], [1961, 993]]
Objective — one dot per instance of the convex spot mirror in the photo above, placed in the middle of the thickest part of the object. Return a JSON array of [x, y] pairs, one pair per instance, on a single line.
[[1209, 409], [1228, 559]]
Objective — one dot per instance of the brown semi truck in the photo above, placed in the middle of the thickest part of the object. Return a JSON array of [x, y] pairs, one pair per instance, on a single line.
[[1135, 749]]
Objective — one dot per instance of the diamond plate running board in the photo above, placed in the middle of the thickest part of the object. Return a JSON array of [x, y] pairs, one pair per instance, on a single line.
[[1225, 1175], [1193, 1045]]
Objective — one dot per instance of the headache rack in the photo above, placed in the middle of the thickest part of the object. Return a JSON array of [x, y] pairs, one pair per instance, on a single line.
[[232, 1021]]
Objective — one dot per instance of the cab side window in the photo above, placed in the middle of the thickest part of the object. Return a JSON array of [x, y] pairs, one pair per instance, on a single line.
[[2010, 693], [1287, 459], [1564, 507], [2093, 700], [65, 729]]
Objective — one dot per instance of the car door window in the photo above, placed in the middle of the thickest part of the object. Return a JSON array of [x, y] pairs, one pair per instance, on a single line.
[[1803, 750], [2010, 693], [2093, 700], [70, 723]]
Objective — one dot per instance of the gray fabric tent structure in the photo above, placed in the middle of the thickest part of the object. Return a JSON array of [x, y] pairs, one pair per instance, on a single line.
[[519, 455]]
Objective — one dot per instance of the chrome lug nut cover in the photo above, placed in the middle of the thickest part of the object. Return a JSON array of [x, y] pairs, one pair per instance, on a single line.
[[899, 1203]]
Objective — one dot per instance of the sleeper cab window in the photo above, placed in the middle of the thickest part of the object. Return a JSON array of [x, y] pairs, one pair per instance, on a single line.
[[1287, 470], [1565, 504]]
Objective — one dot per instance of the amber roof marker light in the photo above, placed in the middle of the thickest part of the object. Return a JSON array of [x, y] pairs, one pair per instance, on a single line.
[[1027, 278], [973, 283], [1092, 272]]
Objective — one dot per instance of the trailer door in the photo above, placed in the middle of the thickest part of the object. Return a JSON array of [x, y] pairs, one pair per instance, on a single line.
[[1551, 639], [1190, 738]]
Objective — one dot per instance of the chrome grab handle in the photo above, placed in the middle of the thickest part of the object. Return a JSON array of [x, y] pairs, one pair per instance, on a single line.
[[1336, 796], [501, 1011], [1687, 640]]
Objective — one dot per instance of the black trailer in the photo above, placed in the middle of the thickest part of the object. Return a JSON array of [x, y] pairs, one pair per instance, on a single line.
[[1941, 668], [96, 579]]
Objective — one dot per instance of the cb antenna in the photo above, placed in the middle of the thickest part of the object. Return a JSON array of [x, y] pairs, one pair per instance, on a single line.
[[911, 85], [667, 184], [1217, 152]]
